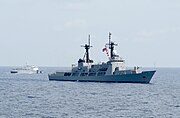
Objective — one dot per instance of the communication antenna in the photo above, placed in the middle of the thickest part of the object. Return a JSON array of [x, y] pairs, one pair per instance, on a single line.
[[109, 39], [89, 38]]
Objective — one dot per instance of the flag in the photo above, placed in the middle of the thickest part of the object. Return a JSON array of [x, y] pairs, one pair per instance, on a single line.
[[105, 50]]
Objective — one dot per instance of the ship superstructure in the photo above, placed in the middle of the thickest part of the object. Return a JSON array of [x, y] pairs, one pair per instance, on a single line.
[[114, 70]]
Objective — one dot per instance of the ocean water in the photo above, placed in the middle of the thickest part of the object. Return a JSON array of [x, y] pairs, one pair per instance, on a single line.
[[34, 96]]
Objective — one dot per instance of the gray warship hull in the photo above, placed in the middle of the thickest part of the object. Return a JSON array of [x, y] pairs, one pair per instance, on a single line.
[[143, 77]]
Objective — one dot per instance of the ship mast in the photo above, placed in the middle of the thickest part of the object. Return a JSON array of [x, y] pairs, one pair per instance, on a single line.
[[87, 47], [111, 46]]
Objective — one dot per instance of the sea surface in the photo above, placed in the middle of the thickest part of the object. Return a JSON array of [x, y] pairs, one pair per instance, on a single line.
[[34, 96]]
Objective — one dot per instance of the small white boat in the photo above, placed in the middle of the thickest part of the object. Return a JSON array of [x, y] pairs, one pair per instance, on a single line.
[[28, 69]]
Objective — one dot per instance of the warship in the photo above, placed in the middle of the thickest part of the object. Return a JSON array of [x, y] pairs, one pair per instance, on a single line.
[[114, 70]]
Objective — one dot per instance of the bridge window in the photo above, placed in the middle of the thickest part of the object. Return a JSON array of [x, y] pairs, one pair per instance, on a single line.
[[75, 74], [101, 74], [84, 74], [67, 74], [92, 74], [103, 69]]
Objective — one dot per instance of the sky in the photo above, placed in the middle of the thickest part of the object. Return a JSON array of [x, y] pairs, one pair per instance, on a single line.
[[50, 32]]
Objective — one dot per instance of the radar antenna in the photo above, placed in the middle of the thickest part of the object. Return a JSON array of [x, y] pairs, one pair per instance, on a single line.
[[111, 46], [87, 47]]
